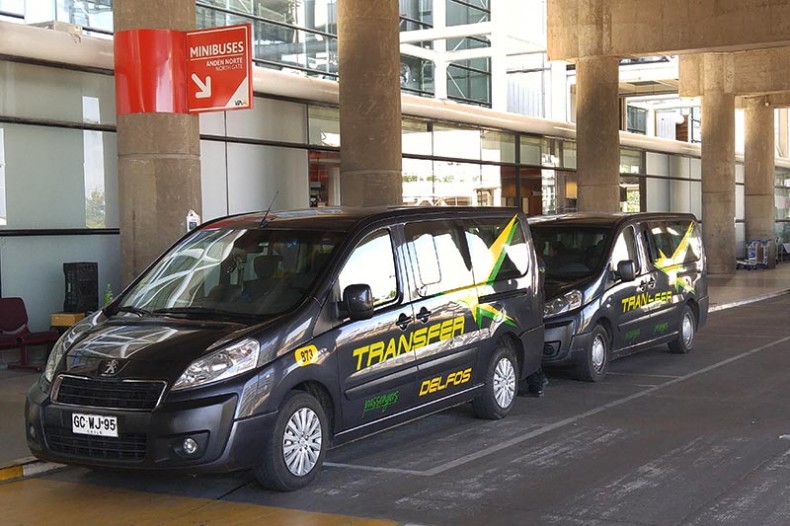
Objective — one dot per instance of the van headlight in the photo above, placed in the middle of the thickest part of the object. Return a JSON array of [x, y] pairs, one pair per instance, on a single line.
[[220, 365], [63, 344], [567, 302]]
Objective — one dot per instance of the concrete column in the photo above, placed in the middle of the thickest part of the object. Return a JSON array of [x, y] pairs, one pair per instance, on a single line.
[[158, 154], [597, 134], [718, 163], [370, 105], [759, 172]]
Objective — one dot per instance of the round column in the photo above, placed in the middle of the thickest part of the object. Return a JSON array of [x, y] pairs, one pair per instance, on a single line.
[[759, 173], [597, 134], [718, 164], [158, 153], [370, 105]]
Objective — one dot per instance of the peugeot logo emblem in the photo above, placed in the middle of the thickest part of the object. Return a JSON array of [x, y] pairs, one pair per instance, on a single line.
[[110, 368]]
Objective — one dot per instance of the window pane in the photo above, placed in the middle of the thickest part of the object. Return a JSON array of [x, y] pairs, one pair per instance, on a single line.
[[498, 146], [624, 249], [631, 162], [415, 137], [530, 150], [324, 125], [435, 249], [456, 142], [41, 92], [58, 178], [569, 155], [498, 249], [381, 276]]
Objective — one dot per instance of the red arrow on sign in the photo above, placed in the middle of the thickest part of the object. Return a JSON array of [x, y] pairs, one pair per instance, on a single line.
[[219, 68]]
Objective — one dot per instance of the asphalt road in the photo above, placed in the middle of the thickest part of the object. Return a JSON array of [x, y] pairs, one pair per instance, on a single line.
[[666, 439]]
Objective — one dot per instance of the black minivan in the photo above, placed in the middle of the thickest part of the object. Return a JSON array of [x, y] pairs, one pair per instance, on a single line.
[[260, 340], [619, 283]]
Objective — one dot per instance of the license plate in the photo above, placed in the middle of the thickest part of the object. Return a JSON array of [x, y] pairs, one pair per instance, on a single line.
[[100, 425]]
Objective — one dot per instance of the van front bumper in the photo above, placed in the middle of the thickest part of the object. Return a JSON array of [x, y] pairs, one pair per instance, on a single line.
[[562, 345], [150, 439]]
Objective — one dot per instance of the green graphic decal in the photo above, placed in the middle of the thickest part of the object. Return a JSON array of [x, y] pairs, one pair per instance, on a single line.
[[382, 402], [661, 328], [671, 265], [632, 335], [498, 254]]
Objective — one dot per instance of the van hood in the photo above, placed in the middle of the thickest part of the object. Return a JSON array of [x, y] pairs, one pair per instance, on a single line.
[[557, 287], [588, 286], [157, 348]]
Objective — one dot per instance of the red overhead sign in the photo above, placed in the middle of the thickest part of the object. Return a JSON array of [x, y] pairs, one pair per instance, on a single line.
[[219, 68]]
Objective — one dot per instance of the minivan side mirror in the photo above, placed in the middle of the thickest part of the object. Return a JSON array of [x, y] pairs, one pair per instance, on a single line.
[[358, 302], [627, 270]]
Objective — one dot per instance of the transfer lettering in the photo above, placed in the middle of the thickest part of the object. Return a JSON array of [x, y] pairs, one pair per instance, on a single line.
[[640, 300], [384, 350]]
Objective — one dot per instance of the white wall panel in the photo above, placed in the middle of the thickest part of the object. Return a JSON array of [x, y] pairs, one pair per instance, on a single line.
[[257, 173], [213, 180]]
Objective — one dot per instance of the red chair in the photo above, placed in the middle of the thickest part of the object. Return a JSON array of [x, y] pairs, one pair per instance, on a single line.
[[14, 331]]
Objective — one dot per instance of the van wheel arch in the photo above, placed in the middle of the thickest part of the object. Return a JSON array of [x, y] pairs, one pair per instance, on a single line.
[[322, 394], [511, 340]]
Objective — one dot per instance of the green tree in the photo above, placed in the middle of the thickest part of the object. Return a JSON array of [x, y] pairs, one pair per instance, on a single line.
[[94, 210]]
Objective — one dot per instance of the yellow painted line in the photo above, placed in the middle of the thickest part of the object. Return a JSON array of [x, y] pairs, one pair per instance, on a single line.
[[11, 473], [36, 501]]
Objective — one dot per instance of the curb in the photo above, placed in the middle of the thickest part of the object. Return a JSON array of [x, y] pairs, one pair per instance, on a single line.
[[25, 467], [766, 296]]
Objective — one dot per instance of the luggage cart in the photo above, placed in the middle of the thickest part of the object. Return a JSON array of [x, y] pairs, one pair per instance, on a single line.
[[757, 252]]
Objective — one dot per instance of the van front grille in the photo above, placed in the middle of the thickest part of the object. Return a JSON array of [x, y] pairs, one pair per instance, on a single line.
[[111, 394]]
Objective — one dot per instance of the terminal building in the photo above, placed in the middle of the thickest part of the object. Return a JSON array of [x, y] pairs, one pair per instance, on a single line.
[[487, 120]]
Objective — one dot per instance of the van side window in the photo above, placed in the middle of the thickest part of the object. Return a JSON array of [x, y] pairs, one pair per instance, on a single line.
[[624, 249], [372, 263], [435, 249], [498, 249], [673, 242]]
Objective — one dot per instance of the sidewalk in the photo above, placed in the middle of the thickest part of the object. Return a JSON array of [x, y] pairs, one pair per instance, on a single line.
[[725, 292]]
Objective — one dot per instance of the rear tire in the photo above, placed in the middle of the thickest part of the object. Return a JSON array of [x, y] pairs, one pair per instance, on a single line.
[[686, 332], [595, 362], [295, 450], [501, 383]]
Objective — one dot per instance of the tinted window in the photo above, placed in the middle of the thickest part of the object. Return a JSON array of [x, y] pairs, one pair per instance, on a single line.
[[235, 271], [372, 263], [673, 242], [498, 249], [571, 251], [624, 249], [437, 255]]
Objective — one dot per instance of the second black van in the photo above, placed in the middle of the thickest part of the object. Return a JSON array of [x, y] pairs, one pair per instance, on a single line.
[[619, 283]]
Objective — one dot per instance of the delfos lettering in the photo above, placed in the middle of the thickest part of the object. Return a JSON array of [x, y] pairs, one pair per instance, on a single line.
[[214, 50], [382, 351], [437, 384]]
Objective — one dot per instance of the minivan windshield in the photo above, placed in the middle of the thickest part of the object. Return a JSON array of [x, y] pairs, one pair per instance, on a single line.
[[571, 252], [233, 272]]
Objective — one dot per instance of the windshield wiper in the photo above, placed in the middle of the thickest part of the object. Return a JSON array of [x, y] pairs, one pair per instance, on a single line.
[[134, 310], [201, 311]]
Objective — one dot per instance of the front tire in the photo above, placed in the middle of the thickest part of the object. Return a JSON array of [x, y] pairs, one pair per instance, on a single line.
[[294, 452], [499, 392], [595, 362], [688, 328]]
